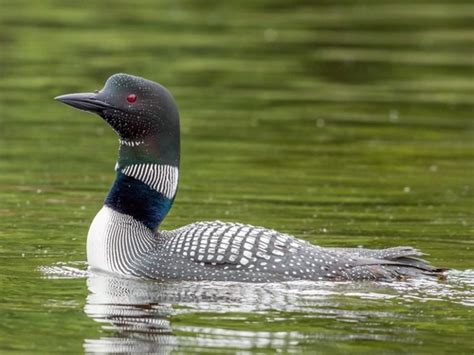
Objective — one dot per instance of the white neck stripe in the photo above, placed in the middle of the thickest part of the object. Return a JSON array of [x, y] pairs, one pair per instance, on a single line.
[[162, 178]]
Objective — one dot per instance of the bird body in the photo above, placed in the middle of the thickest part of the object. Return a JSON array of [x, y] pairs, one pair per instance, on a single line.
[[125, 238]]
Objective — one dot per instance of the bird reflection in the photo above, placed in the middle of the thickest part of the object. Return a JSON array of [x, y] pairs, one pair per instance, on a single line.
[[138, 314], [139, 311], [131, 308]]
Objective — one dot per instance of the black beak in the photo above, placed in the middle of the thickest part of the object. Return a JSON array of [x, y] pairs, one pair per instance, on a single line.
[[87, 101]]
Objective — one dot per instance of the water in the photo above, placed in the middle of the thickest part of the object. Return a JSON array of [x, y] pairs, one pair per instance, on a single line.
[[343, 123]]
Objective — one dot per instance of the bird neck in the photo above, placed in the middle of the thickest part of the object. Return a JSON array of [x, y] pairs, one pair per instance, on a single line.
[[146, 180]]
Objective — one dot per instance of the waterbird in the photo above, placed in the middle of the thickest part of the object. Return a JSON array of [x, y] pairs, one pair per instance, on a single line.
[[125, 237]]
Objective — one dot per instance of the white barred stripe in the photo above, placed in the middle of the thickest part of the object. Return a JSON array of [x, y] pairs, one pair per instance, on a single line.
[[131, 143], [162, 178]]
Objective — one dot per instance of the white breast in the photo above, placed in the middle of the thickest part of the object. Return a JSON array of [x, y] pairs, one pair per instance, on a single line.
[[116, 240]]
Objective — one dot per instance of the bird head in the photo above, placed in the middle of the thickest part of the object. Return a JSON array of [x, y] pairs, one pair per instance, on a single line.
[[134, 107]]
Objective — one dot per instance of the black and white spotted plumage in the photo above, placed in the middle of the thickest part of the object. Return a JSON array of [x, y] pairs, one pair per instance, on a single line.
[[223, 251]]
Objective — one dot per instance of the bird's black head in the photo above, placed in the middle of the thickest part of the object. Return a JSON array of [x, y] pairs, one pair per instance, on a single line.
[[134, 107]]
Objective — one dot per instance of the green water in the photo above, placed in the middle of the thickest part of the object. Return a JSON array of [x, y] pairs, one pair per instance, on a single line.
[[344, 123]]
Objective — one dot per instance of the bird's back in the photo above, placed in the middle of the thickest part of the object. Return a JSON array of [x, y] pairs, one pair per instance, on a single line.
[[238, 252]]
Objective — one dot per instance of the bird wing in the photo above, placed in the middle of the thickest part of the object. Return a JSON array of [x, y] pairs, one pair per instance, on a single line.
[[233, 244]]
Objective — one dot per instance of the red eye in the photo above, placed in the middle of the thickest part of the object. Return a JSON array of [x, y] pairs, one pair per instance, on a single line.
[[132, 98]]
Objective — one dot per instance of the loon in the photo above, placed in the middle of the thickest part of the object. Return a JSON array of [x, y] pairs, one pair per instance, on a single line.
[[124, 237]]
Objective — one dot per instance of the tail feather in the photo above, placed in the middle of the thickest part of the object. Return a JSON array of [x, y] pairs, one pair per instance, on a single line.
[[388, 253], [398, 263]]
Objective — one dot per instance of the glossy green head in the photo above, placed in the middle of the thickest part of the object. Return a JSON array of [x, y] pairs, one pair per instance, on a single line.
[[139, 110]]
